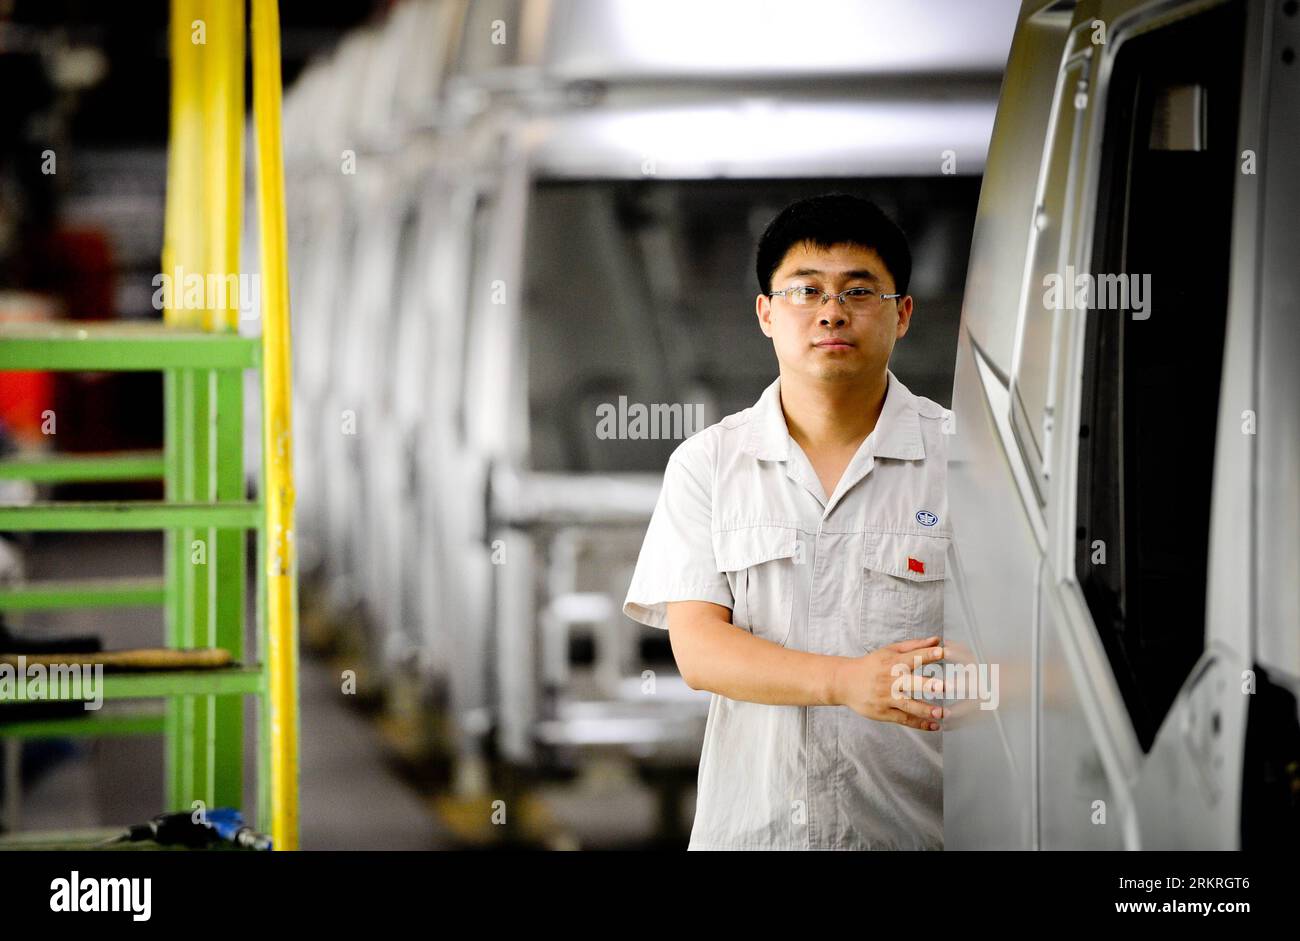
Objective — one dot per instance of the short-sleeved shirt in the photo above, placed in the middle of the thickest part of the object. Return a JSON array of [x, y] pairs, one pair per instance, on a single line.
[[743, 521]]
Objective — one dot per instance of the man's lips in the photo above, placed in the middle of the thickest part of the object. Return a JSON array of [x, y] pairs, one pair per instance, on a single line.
[[833, 343]]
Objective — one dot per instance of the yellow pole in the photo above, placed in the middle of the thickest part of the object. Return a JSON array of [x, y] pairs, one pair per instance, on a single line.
[[183, 233], [277, 429], [223, 151]]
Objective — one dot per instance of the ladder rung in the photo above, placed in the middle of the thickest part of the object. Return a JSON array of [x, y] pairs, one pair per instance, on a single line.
[[90, 726], [153, 684], [97, 516], [114, 345], [82, 593], [70, 468]]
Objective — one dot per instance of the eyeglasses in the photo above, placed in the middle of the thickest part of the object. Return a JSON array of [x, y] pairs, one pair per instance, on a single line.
[[859, 300]]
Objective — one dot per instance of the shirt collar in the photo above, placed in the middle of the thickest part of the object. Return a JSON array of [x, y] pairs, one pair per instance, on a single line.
[[897, 433]]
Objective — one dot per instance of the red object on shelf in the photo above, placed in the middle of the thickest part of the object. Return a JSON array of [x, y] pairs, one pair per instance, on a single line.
[[25, 397]]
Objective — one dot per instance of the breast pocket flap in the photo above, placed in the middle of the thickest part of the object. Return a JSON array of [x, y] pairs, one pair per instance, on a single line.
[[917, 557], [736, 549]]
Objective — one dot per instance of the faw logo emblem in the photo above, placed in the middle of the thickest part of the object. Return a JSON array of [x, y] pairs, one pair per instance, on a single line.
[[926, 518]]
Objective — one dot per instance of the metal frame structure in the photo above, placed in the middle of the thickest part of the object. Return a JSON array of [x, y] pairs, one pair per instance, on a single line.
[[202, 358]]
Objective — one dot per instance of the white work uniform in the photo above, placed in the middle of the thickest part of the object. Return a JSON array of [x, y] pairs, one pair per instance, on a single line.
[[743, 521]]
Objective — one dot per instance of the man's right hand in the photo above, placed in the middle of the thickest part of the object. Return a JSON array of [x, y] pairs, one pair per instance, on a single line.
[[871, 686]]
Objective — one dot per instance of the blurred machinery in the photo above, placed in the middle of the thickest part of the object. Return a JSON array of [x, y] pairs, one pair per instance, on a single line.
[[505, 215]]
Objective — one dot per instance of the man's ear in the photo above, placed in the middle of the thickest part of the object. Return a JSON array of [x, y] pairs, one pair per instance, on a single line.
[[763, 308], [904, 316]]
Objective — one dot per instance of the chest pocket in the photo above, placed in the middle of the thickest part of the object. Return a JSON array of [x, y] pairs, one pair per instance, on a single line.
[[902, 588], [759, 561]]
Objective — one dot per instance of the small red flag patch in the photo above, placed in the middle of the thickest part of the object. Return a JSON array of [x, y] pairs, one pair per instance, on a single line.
[[915, 565]]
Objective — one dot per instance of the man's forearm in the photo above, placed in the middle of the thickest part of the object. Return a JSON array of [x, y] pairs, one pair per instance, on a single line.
[[724, 659]]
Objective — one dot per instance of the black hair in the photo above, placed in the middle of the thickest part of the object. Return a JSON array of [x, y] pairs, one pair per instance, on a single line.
[[834, 219]]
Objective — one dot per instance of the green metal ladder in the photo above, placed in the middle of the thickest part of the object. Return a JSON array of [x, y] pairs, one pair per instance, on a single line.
[[205, 517], [205, 514]]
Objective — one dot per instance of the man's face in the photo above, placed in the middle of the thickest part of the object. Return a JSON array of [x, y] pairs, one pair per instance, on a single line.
[[833, 342]]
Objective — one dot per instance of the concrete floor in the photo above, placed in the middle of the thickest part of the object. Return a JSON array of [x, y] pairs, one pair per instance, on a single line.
[[350, 799]]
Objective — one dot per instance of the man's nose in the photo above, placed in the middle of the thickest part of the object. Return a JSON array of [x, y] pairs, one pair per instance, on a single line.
[[833, 313]]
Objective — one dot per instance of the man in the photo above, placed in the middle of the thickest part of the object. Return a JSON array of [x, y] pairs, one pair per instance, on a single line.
[[796, 557]]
